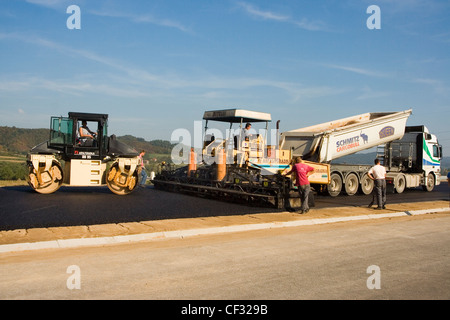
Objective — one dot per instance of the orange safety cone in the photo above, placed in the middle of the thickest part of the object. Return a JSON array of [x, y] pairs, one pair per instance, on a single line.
[[192, 162], [221, 166]]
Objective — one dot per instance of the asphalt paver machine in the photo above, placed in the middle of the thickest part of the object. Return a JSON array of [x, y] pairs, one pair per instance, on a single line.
[[234, 167]]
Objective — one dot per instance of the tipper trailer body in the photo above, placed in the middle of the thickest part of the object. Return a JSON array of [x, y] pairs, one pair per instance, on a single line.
[[411, 154]]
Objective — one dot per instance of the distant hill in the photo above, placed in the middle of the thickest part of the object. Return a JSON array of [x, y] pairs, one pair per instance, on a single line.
[[17, 140], [151, 147], [20, 141]]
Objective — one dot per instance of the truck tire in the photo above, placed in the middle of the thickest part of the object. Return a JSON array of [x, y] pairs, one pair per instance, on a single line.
[[335, 186], [400, 184], [429, 186], [366, 186], [351, 184]]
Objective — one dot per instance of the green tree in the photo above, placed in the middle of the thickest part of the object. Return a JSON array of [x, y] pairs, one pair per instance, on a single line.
[[12, 171]]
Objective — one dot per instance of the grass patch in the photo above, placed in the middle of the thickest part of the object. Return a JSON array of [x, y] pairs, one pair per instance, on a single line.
[[11, 183]]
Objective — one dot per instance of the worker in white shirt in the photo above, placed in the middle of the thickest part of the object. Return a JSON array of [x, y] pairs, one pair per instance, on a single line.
[[246, 134], [378, 174]]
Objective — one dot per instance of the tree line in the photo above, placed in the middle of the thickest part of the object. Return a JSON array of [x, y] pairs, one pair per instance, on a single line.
[[17, 142], [13, 171]]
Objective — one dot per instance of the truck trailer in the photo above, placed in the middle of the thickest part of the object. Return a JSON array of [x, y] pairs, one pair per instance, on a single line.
[[411, 155]]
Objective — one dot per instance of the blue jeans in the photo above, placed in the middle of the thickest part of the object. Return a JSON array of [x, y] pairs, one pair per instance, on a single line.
[[143, 176]]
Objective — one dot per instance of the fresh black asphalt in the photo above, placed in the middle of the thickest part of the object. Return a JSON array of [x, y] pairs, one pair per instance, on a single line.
[[23, 208]]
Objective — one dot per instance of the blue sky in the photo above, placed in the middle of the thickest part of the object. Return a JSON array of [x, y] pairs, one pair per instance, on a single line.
[[155, 66]]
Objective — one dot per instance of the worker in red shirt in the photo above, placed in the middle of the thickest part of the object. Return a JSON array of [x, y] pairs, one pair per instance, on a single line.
[[302, 172]]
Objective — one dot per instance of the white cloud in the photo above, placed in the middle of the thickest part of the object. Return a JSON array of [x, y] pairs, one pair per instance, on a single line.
[[310, 25], [442, 37], [427, 81], [438, 86], [368, 94], [70, 87], [270, 15], [14, 85], [361, 71], [54, 4], [141, 83], [396, 6], [136, 18], [144, 18], [89, 55]]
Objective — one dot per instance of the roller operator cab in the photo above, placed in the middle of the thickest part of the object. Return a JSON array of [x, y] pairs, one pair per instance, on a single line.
[[80, 153]]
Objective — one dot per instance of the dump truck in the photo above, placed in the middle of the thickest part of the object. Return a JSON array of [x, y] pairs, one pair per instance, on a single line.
[[411, 155], [236, 167], [79, 152]]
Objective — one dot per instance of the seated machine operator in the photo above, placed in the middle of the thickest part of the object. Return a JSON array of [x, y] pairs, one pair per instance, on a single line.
[[86, 136]]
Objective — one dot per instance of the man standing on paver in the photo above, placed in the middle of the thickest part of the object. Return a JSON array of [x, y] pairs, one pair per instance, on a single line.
[[378, 174]]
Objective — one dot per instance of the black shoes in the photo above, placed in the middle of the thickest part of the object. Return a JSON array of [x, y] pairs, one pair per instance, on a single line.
[[297, 211]]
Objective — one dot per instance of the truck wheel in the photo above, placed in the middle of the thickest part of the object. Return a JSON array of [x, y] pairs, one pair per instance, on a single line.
[[351, 184], [430, 183], [335, 186], [400, 184], [366, 185]]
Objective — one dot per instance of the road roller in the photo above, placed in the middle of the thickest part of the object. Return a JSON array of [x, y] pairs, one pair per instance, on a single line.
[[80, 153]]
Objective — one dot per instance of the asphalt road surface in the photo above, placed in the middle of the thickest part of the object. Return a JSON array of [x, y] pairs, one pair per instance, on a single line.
[[23, 208], [405, 258]]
